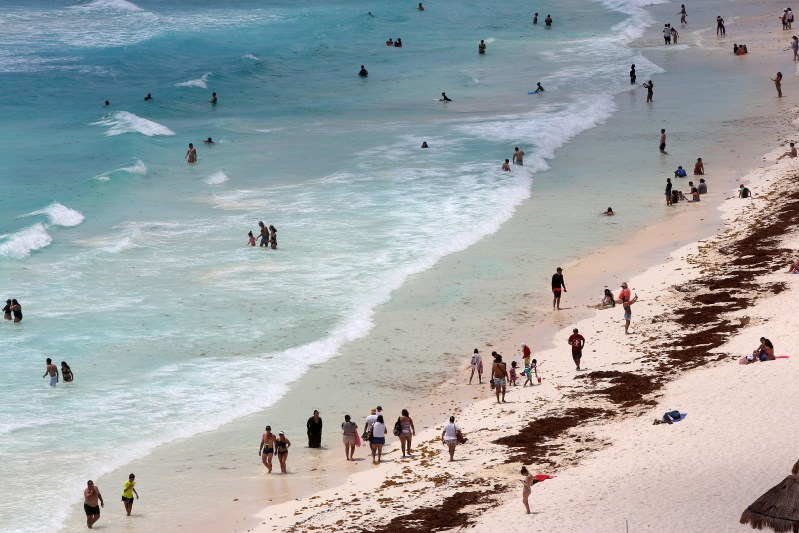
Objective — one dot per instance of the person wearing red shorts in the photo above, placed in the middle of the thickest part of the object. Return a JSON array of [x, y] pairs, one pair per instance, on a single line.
[[557, 285]]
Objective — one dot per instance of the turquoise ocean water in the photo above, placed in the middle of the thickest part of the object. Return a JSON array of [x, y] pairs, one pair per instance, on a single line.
[[131, 265]]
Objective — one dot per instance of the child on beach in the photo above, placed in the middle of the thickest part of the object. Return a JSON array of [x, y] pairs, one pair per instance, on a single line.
[[251, 240], [529, 370], [512, 373]]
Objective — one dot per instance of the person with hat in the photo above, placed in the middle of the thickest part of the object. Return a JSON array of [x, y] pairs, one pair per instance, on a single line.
[[282, 445], [626, 302], [267, 448], [477, 365], [577, 342], [557, 285], [314, 427]]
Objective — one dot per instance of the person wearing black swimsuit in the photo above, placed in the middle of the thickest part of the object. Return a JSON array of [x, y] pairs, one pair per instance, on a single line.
[[7, 310], [267, 448], [17, 310], [282, 445]]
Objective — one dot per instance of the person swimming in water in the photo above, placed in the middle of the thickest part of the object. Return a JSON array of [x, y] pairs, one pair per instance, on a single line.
[[535, 18], [444, 98], [363, 72], [506, 165], [609, 212], [107, 103], [209, 141], [424, 144], [213, 98], [539, 88], [148, 97], [250, 239], [421, 7]]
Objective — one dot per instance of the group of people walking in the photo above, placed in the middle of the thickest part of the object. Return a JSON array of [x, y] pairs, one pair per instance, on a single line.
[[267, 236], [93, 499], [12, 307]]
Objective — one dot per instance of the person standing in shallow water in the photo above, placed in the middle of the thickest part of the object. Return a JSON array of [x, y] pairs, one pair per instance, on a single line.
[[649, 86], [778, 84], [682, 14], [481, 48], [272, 237], [632, 75], [16, 310], [191, 154], [91, 497], [264, 236], [314, 427], [7, 310], [663, 141], [558, 285]]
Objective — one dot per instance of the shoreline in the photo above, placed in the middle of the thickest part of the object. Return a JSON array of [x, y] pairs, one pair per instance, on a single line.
[[511, 326], [327, 501]]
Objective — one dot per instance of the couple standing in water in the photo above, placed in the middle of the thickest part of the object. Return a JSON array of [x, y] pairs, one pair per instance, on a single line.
[[268, 236]]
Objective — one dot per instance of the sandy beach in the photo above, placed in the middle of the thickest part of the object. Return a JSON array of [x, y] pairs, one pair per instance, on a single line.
[[700, 310]]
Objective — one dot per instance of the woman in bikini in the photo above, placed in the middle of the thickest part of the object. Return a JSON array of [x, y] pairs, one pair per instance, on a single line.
[[282, 445], [528, 481], [66, 372], [408, 431]]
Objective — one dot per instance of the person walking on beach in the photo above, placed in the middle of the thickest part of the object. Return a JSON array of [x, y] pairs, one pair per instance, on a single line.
[[682, 14], [668, 192], [191, 154], [267, 448], [558, 285], [576, 341], [314, 427], [128, 490], [627, 303], [449, 436], [795, 47], [499, 375], [790, 153], [743, 192], [282, 445], [52, 371], [518, 157], [477, 365], [377, 438], [91, 498], [632, 74], [272, 237], [649, 86], [16, 310], [349, 429], [778, 84], [264, 236], [407, 432], [663, 141]]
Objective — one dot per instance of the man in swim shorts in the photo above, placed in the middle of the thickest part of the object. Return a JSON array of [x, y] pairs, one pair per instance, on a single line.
[[518, 157], [52, 370], [499, 374], [558, 284], [577, 342], [91, 496], [267, 448], [662, 141]]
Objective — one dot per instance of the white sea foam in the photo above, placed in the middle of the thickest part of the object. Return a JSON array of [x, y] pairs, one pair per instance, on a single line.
[[123, 122], [122, 5], [24, 241], [137, 168], [102, 178], [216, 178], [199, 82], [251, 57], [59, 215]]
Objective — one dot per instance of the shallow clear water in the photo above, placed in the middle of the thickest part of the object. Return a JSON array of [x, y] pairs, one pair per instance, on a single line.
[[132, 265]]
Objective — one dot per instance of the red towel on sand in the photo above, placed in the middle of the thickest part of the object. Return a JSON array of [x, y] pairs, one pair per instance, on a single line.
[[542, 477]]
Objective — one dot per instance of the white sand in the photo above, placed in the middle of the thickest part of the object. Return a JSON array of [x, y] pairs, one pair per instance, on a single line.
[[737, 440]]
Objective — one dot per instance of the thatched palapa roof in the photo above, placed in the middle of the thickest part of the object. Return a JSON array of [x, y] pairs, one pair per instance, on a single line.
[[777, 509]]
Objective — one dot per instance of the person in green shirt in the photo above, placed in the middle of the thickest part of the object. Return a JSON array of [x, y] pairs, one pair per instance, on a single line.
[[127, 493]]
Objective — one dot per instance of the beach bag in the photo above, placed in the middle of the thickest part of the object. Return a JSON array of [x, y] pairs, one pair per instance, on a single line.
[[398, 427], [460, 438]]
